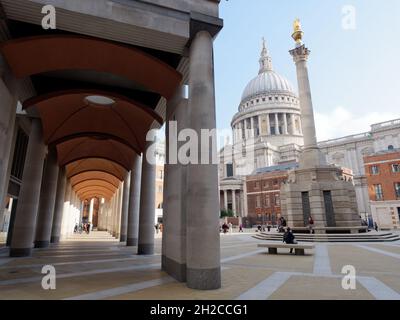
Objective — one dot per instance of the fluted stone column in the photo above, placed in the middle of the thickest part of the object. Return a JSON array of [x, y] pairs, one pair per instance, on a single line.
[[226, 199], [268, 125], [59, 206], [293, 123], [125, 207], [134, 203], [203, 257], [277, 131], [47, 201], [147, 204], [285, 124], [28, 201], [252, 127], [311, 155], [234, 201]]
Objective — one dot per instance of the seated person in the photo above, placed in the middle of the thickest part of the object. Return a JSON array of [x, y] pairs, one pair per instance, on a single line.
[[289, 238]]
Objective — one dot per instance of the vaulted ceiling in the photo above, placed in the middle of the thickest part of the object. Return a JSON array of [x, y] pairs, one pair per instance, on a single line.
[[96, 100]]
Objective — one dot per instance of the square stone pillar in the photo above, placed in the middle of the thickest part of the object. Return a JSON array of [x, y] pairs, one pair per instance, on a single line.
[[59, 206], [47, 201], [175, 188], [28, 201], [203, 257], [134, 202], [147, 202]]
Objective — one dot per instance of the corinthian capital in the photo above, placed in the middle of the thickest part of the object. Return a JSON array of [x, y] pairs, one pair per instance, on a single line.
[[300, 53]]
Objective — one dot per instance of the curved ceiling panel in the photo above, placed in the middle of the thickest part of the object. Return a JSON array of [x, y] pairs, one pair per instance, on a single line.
[[95, 164], [71, 114], [96, 189], [94, 183], [95, 175], [34, 55], [93, 194], [86, 147]]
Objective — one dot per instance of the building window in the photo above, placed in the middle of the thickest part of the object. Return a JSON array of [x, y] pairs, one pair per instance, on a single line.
[[258, 202], [390, 147], [374, 170], [277, 200], [396, 168], [257, 185], [258, 100], [160, 189], [263, 99], [229, 170], [397, 189], [270, 98], [266, 201], [378, 192], [161, 176]]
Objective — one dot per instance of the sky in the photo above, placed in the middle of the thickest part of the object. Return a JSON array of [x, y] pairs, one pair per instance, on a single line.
[[354, 66]]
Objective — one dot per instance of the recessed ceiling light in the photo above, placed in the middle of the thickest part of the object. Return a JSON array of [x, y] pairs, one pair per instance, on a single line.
[[100, 100]]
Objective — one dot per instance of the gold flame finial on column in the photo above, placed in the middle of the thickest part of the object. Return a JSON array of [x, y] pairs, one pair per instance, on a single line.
[[297, 32]]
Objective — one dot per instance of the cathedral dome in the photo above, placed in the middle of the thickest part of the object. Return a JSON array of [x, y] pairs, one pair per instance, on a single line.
[[267, 81]]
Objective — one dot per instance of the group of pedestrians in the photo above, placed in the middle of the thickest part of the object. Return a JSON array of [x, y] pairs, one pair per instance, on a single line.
[[83, 227]]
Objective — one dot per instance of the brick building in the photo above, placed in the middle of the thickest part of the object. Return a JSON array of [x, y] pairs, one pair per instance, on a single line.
[[263, 194], [383, 178]]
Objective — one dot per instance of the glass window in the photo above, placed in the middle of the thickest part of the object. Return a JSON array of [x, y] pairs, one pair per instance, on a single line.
[[397, 189], [257, 185], [396, 168], [266, 201], [374, 170], [277, 200], [378, 192], [258, 202]]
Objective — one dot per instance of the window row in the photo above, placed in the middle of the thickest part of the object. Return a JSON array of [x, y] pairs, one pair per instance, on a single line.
[[379, 191], [395, 168]]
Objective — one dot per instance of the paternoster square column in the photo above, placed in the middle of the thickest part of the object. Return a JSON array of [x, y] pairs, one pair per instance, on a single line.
[[59, 206], [125, 207], [311, 155], [28, 202], [203, 243], [134, 203], [47, 200], [147, 202]]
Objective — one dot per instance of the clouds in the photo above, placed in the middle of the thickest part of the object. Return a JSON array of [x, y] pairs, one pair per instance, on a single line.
[[341, 122]]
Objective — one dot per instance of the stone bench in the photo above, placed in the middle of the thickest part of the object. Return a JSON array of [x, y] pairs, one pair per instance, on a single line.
[[298, 248]]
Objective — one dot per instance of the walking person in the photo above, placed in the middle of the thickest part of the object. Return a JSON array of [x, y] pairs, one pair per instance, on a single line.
[[240, 228]]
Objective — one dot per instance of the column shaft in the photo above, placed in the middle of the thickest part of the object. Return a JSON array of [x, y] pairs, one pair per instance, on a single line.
[[47, 201], [59, 206], [28, 202], [203, 257], [147, 204], [125, 208], [134, 203]]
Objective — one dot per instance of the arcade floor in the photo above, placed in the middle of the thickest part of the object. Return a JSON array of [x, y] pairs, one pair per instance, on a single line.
[[96, 266]]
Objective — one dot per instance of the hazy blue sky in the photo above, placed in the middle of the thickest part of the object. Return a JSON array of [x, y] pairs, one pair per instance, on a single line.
[[354, 74]]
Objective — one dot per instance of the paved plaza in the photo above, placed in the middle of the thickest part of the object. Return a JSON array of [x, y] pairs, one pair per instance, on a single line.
[[97, 266]]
